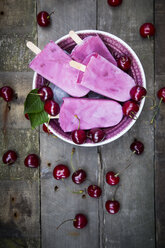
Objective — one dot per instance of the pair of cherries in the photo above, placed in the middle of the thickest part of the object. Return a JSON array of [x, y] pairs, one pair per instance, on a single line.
[[31, 161], [96, 135]]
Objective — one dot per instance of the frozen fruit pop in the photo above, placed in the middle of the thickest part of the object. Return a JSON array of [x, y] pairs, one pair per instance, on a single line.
[[104, 78], [53, 64], [89, 45], [92, 113]]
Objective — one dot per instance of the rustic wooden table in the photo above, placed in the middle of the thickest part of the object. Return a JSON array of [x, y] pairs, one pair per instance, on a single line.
[[30, 208]]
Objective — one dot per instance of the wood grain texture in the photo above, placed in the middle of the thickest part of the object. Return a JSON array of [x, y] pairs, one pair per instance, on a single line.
[[17, 24], [21, 83], [19, 220], [133, 226], [160, 123], [19, 185]]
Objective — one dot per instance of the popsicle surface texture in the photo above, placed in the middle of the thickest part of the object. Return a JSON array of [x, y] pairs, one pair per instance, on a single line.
[[89, 45], [53, 64], [103, 77], [91, 112]]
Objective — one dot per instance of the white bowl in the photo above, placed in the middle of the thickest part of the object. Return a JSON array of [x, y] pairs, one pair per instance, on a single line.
[[118, 47]]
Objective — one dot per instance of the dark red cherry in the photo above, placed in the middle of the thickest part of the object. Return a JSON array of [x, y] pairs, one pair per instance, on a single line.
[[79, 176], [32, 161], [45, 129], [27, 116], [130, 108], [51, 107], [80, 221], [124, 63], [111, 179], [94, 191], [96, 134], [112, 206], [137, 147], [6, 93], [9, 157], [161, 94], [46, 93], [137, 93], [43, 19], [147, 30], [114, 3], [61, 171], [79, 136]]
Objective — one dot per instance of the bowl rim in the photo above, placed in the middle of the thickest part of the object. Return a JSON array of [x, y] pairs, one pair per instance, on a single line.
[[125, 130]]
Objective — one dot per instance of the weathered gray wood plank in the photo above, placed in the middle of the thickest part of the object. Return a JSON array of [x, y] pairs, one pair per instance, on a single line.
[[61, 205], [159, 132], [133, 226], [17, 24], [19, 186], [19, 220]]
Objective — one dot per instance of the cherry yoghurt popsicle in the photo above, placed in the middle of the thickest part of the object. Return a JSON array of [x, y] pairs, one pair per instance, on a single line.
[[89, 45], [104, 78], [52, 63], [92, 113]]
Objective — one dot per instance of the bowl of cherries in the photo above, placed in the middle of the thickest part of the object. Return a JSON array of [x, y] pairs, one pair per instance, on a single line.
[[100, 98]]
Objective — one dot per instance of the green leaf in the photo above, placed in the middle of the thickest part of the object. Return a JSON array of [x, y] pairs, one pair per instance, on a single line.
[[33, 103], [37, 119]]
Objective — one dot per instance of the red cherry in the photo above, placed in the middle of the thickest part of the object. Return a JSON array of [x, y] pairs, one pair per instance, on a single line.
[[96, 134], [61, 172], [9, 157], [32, 161], [27, 116], [45, 93], [114, 3], [79, 176], [137, 147], [80, 221], [79, 136], [147, 30], [137, 93], [51, 107], [94, 191], [43, 19], [124, 63], [111, 179], [112, 206], [130, 108], [6, 93], [161, 94], [45, 129]]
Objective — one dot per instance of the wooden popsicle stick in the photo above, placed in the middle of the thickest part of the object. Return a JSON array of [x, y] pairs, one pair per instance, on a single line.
[[53, 117], [33, 47], [77, 65], [75, 37]]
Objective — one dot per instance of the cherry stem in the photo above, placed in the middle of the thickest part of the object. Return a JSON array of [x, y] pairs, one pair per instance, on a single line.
[[120, 172], [113, 197], [65, 222], [36, 94], [78, 120], [148, 36], [50, 14], [71, 160], [133, 115], [154, 101], [153, 118]]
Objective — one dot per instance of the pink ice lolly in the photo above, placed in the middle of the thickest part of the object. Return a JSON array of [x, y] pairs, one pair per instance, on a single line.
[[103, 77], [91, 112], [89, 45], [53, 64]]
